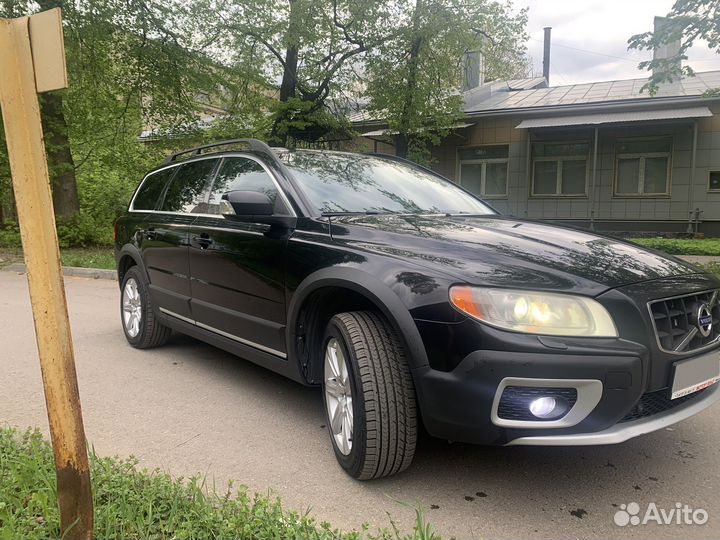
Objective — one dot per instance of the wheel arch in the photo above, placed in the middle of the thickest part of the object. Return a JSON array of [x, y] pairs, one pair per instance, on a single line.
[[127, 257], [364, 291]]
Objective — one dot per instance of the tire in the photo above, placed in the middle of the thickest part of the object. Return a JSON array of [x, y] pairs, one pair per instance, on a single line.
[[141, 327], [382, 430]]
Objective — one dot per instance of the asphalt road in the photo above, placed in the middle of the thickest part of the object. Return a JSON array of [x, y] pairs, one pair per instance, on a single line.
[[189, 408]]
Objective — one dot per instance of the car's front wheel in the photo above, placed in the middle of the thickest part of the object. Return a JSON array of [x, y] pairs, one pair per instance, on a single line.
[[369, 396], [141, 327]]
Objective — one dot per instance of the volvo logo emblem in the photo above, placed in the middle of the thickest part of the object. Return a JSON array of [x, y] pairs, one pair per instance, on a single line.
[[704, 320]]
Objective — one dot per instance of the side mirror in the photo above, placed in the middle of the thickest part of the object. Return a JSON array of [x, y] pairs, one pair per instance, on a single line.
[[253, 207], [247, 203]]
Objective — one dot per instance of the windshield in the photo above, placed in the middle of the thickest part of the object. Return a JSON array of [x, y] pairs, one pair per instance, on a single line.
[[339, 183]]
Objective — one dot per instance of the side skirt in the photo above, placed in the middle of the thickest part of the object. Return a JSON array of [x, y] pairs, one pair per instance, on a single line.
[[261, 358]]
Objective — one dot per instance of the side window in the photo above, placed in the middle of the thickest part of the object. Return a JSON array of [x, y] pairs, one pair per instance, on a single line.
[[150, 190], [242, 174], [189, 187]]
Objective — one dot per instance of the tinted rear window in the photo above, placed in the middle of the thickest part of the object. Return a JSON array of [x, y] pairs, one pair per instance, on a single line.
[[151, 189], [188, 189]]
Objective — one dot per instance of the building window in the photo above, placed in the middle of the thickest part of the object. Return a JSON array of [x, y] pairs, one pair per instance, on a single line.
[[560, 169], [714, 181], [642, 166], [484, 170]]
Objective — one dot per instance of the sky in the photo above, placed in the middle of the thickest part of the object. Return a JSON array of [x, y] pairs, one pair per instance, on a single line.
[[589, 38]]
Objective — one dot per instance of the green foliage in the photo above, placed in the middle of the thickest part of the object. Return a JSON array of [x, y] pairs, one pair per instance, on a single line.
[[130, 503], [314, 48], [415, 76], [688, 21], [676, 246], [88, 258], [10, 236], [305, 121], [134, 66]]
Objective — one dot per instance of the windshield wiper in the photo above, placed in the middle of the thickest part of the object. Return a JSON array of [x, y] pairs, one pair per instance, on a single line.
[[365, 213]]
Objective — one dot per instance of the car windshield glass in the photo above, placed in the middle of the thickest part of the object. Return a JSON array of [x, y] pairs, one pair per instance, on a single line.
[[339, 183]]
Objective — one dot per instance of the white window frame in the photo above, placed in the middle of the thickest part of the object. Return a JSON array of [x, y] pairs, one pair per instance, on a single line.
[[642, 156], [558, 179], [484, 163]]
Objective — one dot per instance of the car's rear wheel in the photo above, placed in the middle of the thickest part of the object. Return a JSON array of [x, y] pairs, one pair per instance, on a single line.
[[369, 396], [141, 327]]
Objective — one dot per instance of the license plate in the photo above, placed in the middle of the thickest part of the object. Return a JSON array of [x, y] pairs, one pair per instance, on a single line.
[[695, 374]]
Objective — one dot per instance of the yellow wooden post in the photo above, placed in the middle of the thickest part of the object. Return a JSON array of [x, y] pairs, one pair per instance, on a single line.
[[32, 60]]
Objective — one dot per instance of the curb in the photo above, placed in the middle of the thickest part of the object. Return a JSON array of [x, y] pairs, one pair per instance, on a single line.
[[74, 271]]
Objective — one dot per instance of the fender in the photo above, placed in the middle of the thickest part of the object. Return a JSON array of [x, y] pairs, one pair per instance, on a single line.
[[133, 252], [372, 288]]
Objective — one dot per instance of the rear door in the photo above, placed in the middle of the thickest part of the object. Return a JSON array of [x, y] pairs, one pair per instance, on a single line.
[[165, 247], [237, 268]]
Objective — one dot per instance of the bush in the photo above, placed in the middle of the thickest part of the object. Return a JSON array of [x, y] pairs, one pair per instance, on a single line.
[[10, 236], [130, 503]]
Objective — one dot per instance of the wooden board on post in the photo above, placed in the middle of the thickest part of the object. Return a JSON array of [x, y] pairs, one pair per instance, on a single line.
[[32, 60]]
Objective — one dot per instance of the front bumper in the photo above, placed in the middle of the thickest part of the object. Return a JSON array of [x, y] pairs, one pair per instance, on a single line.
[[460, 404], [627, 430]]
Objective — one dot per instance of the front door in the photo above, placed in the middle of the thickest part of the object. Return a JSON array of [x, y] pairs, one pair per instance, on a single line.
[[237, 269]]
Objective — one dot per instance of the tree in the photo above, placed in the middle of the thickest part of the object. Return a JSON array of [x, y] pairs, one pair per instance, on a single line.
[[687, 22], [312, 47], [414, 79], [132, 65]]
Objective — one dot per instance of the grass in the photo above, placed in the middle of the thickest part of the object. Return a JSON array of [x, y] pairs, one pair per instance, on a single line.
[[88, 257], [98, 257], [682, 246], [132, 503]]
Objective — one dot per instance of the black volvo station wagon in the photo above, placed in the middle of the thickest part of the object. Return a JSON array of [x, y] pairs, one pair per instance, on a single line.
[[410, 301]]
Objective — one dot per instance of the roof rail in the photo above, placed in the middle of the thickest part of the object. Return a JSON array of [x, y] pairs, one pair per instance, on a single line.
[[251, 144]]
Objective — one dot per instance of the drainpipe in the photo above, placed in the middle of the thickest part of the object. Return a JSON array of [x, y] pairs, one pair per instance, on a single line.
[[528, 172], [591, 201], [692, 176]]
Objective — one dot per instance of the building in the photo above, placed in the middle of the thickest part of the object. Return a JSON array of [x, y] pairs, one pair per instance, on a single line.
[[602, 155]]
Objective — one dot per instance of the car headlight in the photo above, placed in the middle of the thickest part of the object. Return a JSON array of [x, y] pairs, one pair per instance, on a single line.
[[530, 312]]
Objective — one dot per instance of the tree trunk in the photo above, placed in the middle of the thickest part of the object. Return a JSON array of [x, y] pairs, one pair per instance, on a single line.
[[61, 164], [57, 144], [402, 145], [402, 140], [288, 86]]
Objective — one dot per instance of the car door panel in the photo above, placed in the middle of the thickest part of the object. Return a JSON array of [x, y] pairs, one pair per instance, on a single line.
[[165, 252], [237, 283], [237, 269]]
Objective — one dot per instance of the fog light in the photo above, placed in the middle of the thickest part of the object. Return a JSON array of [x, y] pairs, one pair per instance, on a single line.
[[543, 407]]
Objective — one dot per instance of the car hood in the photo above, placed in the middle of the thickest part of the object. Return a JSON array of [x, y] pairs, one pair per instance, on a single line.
[[502, 251]]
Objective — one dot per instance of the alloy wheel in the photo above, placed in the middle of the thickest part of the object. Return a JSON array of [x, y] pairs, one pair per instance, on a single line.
[[132, 308], [338, 396]]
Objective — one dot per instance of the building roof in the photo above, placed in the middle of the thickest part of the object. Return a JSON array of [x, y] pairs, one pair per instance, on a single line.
[[615, 117], [502, 97]]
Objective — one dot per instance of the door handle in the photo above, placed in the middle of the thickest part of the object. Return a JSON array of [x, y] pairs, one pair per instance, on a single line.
[[203, 241], [143, 233]]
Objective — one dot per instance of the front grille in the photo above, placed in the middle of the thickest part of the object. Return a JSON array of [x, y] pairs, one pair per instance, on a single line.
[[656, 402], [676, 318], [515, 401]]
